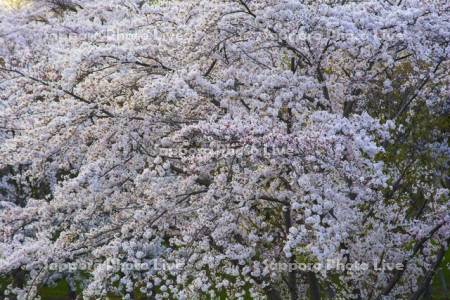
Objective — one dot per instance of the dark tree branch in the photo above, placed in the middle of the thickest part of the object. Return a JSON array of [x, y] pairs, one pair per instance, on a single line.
[[399, 273], [429, 275]]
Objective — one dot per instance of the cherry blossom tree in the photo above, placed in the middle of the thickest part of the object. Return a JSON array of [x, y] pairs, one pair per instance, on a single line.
[[188, 149]]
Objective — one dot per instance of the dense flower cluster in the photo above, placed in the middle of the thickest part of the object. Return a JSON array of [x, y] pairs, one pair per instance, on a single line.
[[91, 91]]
